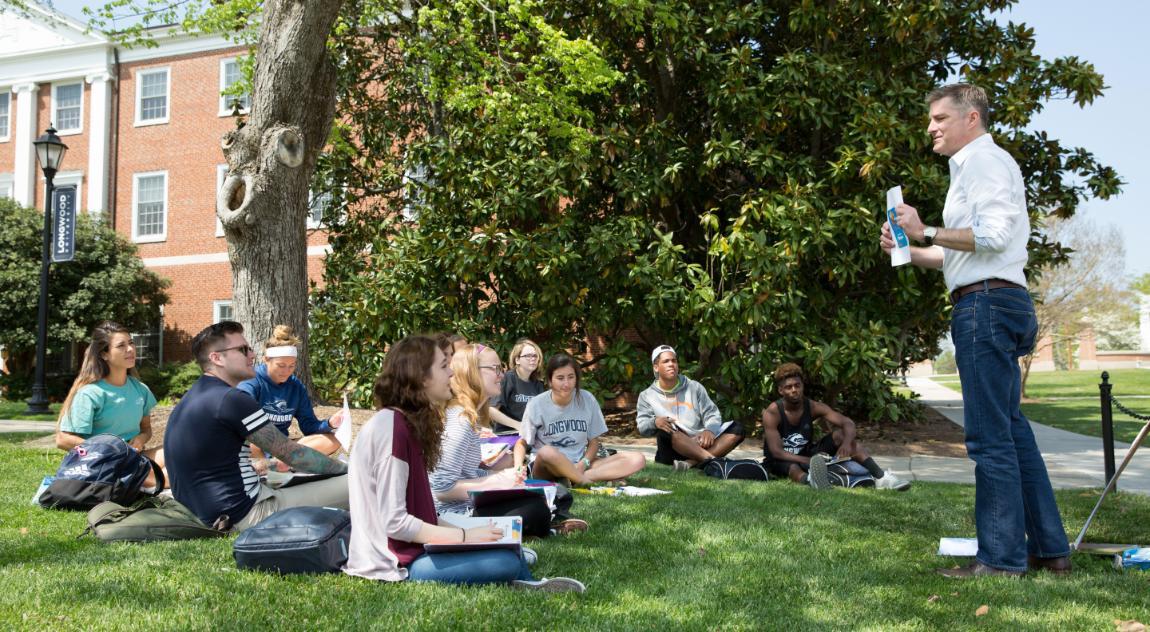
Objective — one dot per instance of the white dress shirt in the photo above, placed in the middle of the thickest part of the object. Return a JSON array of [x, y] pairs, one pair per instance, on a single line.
[[986, 193]]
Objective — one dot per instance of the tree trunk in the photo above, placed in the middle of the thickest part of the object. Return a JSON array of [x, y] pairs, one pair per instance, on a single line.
[[263, 204]]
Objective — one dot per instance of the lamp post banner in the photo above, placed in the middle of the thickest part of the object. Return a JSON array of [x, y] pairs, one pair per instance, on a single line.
[[64, 224]]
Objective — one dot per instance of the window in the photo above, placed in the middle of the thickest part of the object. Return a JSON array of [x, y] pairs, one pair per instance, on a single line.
[[6, 187], [68, 108], [148, 343], [415, 180], [230, 74], [221, 310], [318, 203], [152, 96], [5, 115], [150, 206]]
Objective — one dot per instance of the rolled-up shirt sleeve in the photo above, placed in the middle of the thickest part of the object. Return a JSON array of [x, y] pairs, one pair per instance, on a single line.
[[989, 190]]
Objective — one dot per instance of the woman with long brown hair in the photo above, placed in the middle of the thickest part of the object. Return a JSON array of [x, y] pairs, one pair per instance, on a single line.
[[392, 507], [107, 397]]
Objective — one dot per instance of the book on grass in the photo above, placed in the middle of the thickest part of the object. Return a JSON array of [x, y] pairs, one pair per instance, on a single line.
[[512, 533], [491, 453]]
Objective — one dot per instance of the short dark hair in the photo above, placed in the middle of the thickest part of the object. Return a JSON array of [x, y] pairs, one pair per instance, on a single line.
[[559, 361], [786, 372], [205, 342], [966, 96]]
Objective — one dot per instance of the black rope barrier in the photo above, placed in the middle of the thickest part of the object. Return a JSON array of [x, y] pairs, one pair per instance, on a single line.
[[1128, 411], [1107, 400]]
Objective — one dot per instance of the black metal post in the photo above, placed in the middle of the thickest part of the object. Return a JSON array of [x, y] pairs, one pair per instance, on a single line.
[[1107, 427], [38, 404]]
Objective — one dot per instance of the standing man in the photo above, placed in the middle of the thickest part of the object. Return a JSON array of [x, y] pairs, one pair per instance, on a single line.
[[688, 427], [206, 442], [982, 251]]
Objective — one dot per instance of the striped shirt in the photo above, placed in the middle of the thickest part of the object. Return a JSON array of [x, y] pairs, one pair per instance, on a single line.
[[206, 449], [459, 459]]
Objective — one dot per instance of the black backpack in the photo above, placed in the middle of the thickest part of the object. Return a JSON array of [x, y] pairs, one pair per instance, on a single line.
[[102, 468], [849, 474], [296, 540], [745, 469]]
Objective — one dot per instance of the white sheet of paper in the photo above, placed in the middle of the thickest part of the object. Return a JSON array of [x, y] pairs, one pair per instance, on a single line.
[[958, 547], [343, 433]]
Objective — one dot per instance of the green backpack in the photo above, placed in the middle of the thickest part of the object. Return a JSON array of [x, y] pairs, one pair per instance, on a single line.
[[152, 519]]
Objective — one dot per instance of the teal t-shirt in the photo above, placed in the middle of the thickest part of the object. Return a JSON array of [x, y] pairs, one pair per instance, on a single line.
[[101, 408]]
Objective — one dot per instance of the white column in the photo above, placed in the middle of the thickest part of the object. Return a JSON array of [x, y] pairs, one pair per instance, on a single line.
[[98, 147], [1144, 322], [24, 175]]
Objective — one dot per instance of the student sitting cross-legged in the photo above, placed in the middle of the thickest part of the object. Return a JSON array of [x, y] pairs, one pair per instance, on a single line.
[[688, 428], [562, 427], [392, 507]]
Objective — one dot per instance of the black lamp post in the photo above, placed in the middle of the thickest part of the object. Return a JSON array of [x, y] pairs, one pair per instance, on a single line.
[[49, 153]]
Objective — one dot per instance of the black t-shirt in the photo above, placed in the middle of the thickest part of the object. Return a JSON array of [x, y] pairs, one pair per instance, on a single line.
[[516, 393], [796, 438], [206, 450]]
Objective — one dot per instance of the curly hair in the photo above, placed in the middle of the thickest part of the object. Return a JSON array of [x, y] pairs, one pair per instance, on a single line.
[[400, 385], [786, 372]]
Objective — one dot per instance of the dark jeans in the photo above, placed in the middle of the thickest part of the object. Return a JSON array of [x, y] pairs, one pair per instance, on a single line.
[[1014, 508]]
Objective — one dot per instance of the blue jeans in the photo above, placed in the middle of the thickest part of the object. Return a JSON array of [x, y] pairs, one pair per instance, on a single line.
[[487, 566], [1014, 509]]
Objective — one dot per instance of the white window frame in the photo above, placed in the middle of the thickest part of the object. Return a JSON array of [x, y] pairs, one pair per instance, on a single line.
[[225, 101], [136, 237], [217, 307], [56, 119], [312, 196], [7, 186], [221, 174], [140, 74], [6, 128]]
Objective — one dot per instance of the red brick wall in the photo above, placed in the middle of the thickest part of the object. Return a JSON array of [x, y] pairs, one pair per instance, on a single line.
[[8, 147], [76, 158]]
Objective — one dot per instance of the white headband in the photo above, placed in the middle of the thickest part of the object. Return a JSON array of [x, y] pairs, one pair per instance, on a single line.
[[286, 351]]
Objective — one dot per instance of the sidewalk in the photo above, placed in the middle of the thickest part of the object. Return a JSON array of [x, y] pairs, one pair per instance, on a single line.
[[12, 425], [1074, 461]]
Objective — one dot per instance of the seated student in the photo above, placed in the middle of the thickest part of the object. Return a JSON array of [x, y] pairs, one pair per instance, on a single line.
[[106, 397], [562, 427], [520, 384], [206, 442], [283, 397], [392, 506], [788, 433], [687, 425]]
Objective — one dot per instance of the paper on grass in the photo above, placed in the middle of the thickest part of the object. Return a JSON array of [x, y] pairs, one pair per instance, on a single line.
[[958, 547], [343, 433]]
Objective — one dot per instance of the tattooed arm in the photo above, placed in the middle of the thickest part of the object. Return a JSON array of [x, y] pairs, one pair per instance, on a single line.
[[299, 457]]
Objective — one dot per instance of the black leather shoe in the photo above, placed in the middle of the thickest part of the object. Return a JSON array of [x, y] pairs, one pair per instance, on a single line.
[[978, 569], [1056, 565]]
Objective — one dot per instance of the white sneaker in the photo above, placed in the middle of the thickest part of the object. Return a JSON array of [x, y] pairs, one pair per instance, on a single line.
[[530, 556], [682, 466], [817, 475], [555, 584], [891, 481]]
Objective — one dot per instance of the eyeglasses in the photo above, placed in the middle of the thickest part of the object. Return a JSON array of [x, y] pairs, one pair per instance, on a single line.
[[244, 349], [527, 356], [493, 367]]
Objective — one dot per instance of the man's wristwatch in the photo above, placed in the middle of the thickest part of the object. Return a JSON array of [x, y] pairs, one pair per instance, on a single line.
[[928, 235]]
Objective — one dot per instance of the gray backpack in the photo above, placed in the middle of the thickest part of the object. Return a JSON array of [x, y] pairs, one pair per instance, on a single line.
[[153, 519]]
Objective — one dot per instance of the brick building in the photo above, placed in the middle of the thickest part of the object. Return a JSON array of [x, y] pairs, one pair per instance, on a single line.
[[143, 127]]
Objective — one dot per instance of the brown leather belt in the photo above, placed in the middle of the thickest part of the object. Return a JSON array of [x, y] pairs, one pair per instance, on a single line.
[[988, 284]]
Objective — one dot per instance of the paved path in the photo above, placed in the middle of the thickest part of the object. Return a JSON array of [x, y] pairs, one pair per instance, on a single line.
[[10, 425]]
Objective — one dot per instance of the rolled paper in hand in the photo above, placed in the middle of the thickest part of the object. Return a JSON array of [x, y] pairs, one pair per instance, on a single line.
[[900, 254]]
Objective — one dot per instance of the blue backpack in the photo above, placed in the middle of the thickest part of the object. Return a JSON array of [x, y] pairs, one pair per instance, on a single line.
[[102, 468]]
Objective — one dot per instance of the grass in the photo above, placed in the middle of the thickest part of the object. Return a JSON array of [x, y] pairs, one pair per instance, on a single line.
[[711, 555], [15, 410], [1070, 400]]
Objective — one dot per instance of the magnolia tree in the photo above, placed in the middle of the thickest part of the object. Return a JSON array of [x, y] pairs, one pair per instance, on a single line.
[[635, 173]]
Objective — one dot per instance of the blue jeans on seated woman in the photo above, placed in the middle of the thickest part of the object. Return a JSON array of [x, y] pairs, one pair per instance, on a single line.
[[486, 566], [1014, 508]]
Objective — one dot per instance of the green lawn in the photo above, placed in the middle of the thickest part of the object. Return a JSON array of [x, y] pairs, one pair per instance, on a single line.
[[712, 555], [15, 410], [1081, 411]]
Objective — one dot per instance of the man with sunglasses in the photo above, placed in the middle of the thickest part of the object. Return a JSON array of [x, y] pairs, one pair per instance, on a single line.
[[688, 427], [207, 436]]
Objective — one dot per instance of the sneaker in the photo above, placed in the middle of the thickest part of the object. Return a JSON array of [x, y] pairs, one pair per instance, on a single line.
[[530, 556], [682, 466], [890, 481], [554, 584], [817, 475], [568, 526]]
